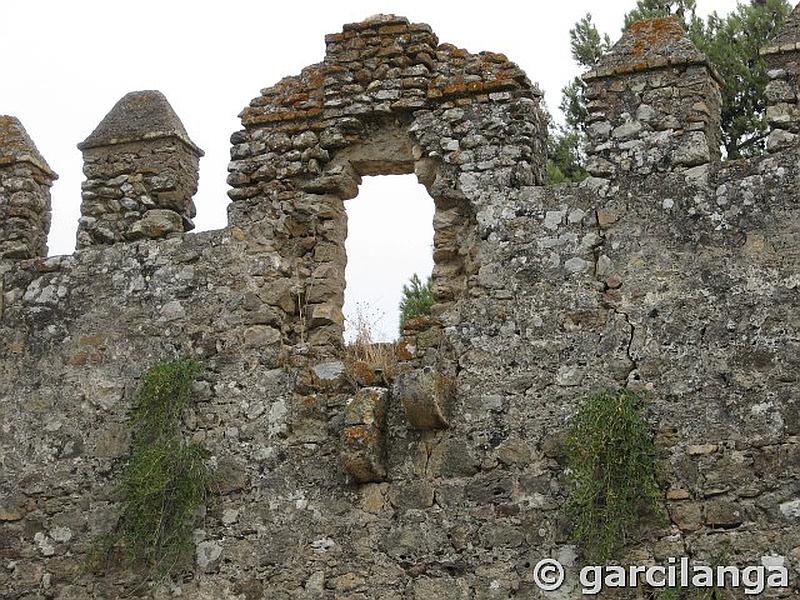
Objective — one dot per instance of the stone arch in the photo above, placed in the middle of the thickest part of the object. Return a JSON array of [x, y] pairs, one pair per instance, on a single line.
[[387, 99]]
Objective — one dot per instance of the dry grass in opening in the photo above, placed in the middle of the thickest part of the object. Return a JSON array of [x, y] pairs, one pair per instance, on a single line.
[[366, 360]]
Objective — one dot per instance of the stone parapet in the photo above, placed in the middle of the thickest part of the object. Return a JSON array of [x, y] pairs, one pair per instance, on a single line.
[[141, 173], [782, 57], [25, 181], [654, 104]]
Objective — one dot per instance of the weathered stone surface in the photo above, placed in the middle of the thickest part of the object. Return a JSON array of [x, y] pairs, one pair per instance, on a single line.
[[426, 395], [654, 103], [676, 281], [723, 514], [138, 116], [157, 223], [782, 57], [141, 173], [25, 180], [363, 435]]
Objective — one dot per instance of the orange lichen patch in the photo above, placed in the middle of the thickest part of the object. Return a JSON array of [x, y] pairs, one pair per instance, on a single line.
[[254, 117], [363, 435], [417, 323], [295, 98], [646, 45], [495, 57], [403, 351], [662, 27], [336, 69], [452, 50], [310, 78], [393, 29], [87, 357], [339, 37], [461, 87], [309, 401], [363, 374], [291, 99], [654, 32]]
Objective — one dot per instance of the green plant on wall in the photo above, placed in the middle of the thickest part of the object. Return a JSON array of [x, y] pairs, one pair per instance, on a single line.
[[165, 481], [612, 467]]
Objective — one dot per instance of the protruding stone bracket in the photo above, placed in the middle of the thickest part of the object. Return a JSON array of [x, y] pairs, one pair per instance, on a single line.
[[426, 396], [363, 441]]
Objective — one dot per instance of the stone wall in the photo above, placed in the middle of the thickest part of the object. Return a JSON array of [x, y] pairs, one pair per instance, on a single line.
[[782, 56], [385, 100], [444, 480]]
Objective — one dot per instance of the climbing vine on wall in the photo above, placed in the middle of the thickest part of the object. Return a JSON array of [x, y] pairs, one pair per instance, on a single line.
[[165, 481], [612, 465]]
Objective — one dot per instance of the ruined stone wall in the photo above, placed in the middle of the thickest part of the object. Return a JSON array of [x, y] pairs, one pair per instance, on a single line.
[[385, 100], [445, 480]]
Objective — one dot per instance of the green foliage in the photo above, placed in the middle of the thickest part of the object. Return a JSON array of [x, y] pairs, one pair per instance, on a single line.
[[164, 484], [586, 43], [573, 105], [165, 392], [165, 480], [587, 46], [684, 10], [731, 44], [612, 465], [417, 299], [564, 157]]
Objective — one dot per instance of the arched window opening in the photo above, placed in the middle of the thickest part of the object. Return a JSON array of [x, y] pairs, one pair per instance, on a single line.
[[389, 239]]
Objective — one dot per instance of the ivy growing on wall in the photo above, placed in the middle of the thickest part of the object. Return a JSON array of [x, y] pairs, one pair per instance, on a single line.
[[612, 465], [165, 481]]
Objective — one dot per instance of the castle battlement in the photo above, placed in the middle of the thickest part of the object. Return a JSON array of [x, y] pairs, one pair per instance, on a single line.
[[668, 272]]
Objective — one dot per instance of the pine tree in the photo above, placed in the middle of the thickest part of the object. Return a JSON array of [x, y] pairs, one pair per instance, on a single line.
[[417, 299], [684, 10], [565, 146], [731, 44]]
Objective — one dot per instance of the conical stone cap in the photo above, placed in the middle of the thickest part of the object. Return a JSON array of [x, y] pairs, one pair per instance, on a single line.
[[138, 116], [16, 146], [648, 44]]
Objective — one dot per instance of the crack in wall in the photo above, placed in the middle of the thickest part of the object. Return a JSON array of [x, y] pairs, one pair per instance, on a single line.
[[597, 250], [634, 368]]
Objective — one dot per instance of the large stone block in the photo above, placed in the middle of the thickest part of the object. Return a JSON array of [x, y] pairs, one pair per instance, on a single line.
[[426, 395], [363, 436]]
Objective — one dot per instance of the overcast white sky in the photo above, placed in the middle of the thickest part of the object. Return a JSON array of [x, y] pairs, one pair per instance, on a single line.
[[65, 64]]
